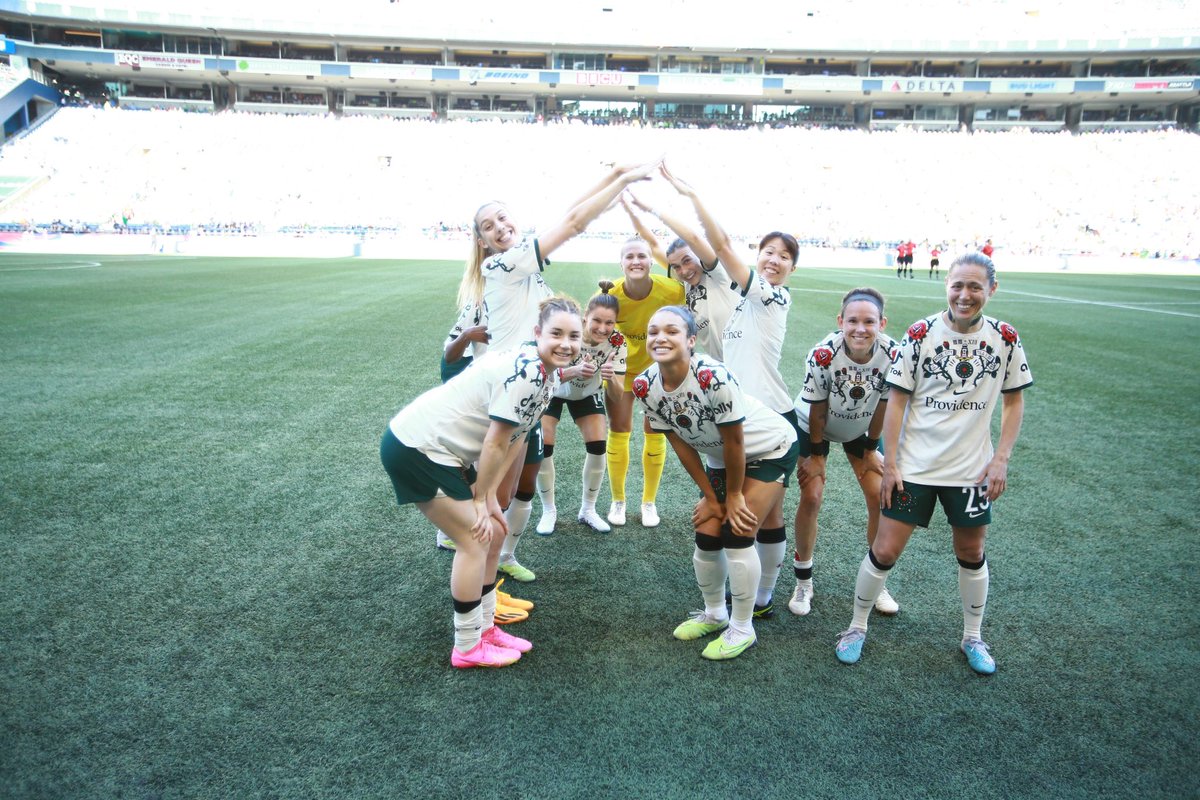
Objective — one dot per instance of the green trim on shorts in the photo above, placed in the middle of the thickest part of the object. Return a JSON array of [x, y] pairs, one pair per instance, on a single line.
[[965, 506], [417, 479]]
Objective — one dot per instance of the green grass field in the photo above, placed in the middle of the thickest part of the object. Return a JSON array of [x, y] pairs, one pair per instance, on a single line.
[[207, 590]]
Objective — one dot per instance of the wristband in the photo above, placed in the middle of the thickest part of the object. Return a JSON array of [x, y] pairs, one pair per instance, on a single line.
[[818, 449], [870, 444]]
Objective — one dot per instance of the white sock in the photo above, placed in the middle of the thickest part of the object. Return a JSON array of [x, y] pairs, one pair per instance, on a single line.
[[770, 558], [711, 570], [468, 628], [517, 517], [593, 479], [973, 587], [545, 483], [744, 573], [866, 589], [488, 605]]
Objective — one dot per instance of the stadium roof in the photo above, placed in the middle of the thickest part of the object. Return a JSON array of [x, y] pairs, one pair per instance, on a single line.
[[862, 25]]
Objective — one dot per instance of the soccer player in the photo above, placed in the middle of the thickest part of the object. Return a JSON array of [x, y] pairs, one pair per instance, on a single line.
[[709, 292], [950, 370], [505, 269], [935, 262], [750, 452], [601, 358], [483, 416], [843, 400], [640, 294], [753, 344]]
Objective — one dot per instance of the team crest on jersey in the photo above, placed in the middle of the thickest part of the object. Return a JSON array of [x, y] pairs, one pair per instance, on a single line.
[[695, 294], [823, 356], [853, 383], [962, 363], [902, 500], [641, 387], [688, 413]]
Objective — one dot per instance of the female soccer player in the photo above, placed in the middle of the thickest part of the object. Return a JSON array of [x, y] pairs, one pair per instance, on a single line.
[[640, 294], [709, 294], [505, 269], [481, 416], [947, 375], [843, 400], [602, 358], [753, 344], [750, 452]]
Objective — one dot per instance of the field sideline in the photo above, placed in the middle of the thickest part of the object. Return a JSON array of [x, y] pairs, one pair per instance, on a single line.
[[207, 590]]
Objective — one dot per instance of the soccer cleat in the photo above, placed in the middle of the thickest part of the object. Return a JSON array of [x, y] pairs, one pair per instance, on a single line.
[[444, 542], [507, 615], [649, 515], [978, 656], [849, 646], [616, 512], [483, 654], [514, 570], [886, 604], [699, 624], [506, 599], [593, 521], [499, 638], [549, 519], [728, 645], [765, 611], [801, 602]]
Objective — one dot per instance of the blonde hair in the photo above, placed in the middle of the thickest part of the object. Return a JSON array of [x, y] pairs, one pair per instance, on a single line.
[[470, 288]]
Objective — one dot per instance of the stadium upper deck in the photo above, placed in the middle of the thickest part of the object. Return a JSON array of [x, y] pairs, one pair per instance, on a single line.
[[1042, 65]]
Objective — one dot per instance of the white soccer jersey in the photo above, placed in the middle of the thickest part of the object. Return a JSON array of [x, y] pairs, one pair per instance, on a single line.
[[853, 390], [753, 341], [711, 302], [512, 289], [706, 400], [613, 348], [955, 380], [448, 423], [470, 316]]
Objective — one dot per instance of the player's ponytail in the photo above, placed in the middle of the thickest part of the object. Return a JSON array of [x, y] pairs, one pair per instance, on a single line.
[[605, 299]]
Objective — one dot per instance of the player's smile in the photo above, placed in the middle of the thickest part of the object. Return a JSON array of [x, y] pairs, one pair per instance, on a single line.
[[559, 339], [775, 262], [686, 266], [497, 232], [860, 324], [967, 292]]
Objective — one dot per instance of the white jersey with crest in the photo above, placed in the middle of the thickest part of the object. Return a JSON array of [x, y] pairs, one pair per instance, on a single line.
[[853, 390], [512, 289], [613, 348], [954, 380], [471, 315], [708, 399], [448, 423], [711, 302], [753, 341]]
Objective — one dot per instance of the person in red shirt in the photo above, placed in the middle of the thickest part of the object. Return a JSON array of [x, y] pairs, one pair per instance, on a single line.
[[900, 260], [909, 248], [934, 252], [987, 248]]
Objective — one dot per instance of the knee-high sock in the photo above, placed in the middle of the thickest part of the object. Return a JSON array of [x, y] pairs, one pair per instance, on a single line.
[[744, 573], [593, 479], [487, 603], [618, 463], [973, 587], [545, 482], [654, 456], [871, 577], [771, 545], [708, 560], [517, 517], [468, 624]]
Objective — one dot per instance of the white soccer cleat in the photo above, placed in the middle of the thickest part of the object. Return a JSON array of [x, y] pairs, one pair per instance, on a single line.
[[616, 513], [801, 602], [593, 521], [886, 604], [549, 519], [649, 516]]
